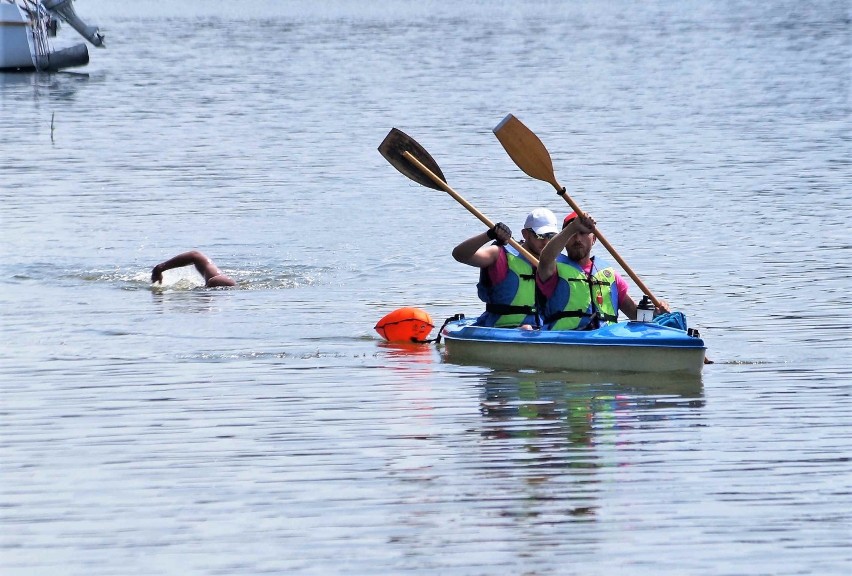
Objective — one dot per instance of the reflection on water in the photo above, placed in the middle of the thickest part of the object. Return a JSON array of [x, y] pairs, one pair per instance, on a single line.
[[53, 87], [410, 363], [187, 300], [575, 412], [548, 426], [407, 350]]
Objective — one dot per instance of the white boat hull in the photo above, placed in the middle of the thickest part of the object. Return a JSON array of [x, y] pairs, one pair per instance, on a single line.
[[624, 347], [16, 42], [24, 33]]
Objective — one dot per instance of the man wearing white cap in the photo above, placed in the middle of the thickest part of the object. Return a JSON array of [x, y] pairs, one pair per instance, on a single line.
[[507, 280]]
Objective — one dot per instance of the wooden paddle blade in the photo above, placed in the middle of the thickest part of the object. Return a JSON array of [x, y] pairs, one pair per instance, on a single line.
[[392, 148], [526, 150]]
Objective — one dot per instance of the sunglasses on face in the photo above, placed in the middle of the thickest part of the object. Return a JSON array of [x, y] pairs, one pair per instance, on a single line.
[[546, 236]]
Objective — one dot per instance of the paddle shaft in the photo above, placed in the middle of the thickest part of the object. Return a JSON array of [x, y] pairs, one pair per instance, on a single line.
[[528, 152], [446, 188], [561, 191]]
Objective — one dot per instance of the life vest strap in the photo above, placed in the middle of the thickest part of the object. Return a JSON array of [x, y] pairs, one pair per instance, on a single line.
[[507, 309], [580, 314], [592, 281], [567, 314]]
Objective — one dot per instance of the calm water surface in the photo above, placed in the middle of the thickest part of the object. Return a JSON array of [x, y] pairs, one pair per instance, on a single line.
[[268, 429]]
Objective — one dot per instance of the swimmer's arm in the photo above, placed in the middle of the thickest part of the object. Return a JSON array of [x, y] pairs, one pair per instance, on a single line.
[[205, 266]]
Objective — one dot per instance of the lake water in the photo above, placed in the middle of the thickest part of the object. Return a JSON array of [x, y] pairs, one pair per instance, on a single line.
[[268, 430]]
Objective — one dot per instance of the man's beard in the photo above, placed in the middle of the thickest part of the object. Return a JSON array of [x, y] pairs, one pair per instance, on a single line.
[[578, 253]]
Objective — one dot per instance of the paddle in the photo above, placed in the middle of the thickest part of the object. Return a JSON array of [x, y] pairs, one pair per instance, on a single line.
[[530, 155], [410, 158]]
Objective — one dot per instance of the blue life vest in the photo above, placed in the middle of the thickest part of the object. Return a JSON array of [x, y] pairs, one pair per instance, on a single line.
[[581, 301], [513, 301]]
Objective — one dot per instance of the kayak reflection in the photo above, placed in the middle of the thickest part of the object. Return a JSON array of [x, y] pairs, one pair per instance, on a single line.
[[560, 413]]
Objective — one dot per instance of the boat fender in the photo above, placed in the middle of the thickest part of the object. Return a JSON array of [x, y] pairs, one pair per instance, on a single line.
[[405, 325], [77, 55]]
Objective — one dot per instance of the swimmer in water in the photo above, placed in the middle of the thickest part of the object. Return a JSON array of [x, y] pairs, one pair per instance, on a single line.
[[213, 277]]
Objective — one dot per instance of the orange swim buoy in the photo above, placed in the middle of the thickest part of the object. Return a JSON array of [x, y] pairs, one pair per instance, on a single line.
[[405, 325]]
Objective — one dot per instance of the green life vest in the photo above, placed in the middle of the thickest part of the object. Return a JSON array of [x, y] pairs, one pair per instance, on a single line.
[[512, 302], [581, 301]]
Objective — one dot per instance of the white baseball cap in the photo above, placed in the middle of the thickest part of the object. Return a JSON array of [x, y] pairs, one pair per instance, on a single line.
[[541, 221]]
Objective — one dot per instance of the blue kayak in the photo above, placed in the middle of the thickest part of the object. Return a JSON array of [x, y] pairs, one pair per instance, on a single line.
[[623, 347]]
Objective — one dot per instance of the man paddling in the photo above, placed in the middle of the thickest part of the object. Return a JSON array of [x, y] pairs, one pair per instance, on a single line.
[[213, 277], [507, 280], [580, 293]]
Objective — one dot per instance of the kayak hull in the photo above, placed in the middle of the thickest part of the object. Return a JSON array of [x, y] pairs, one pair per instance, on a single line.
[[622, 347]]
